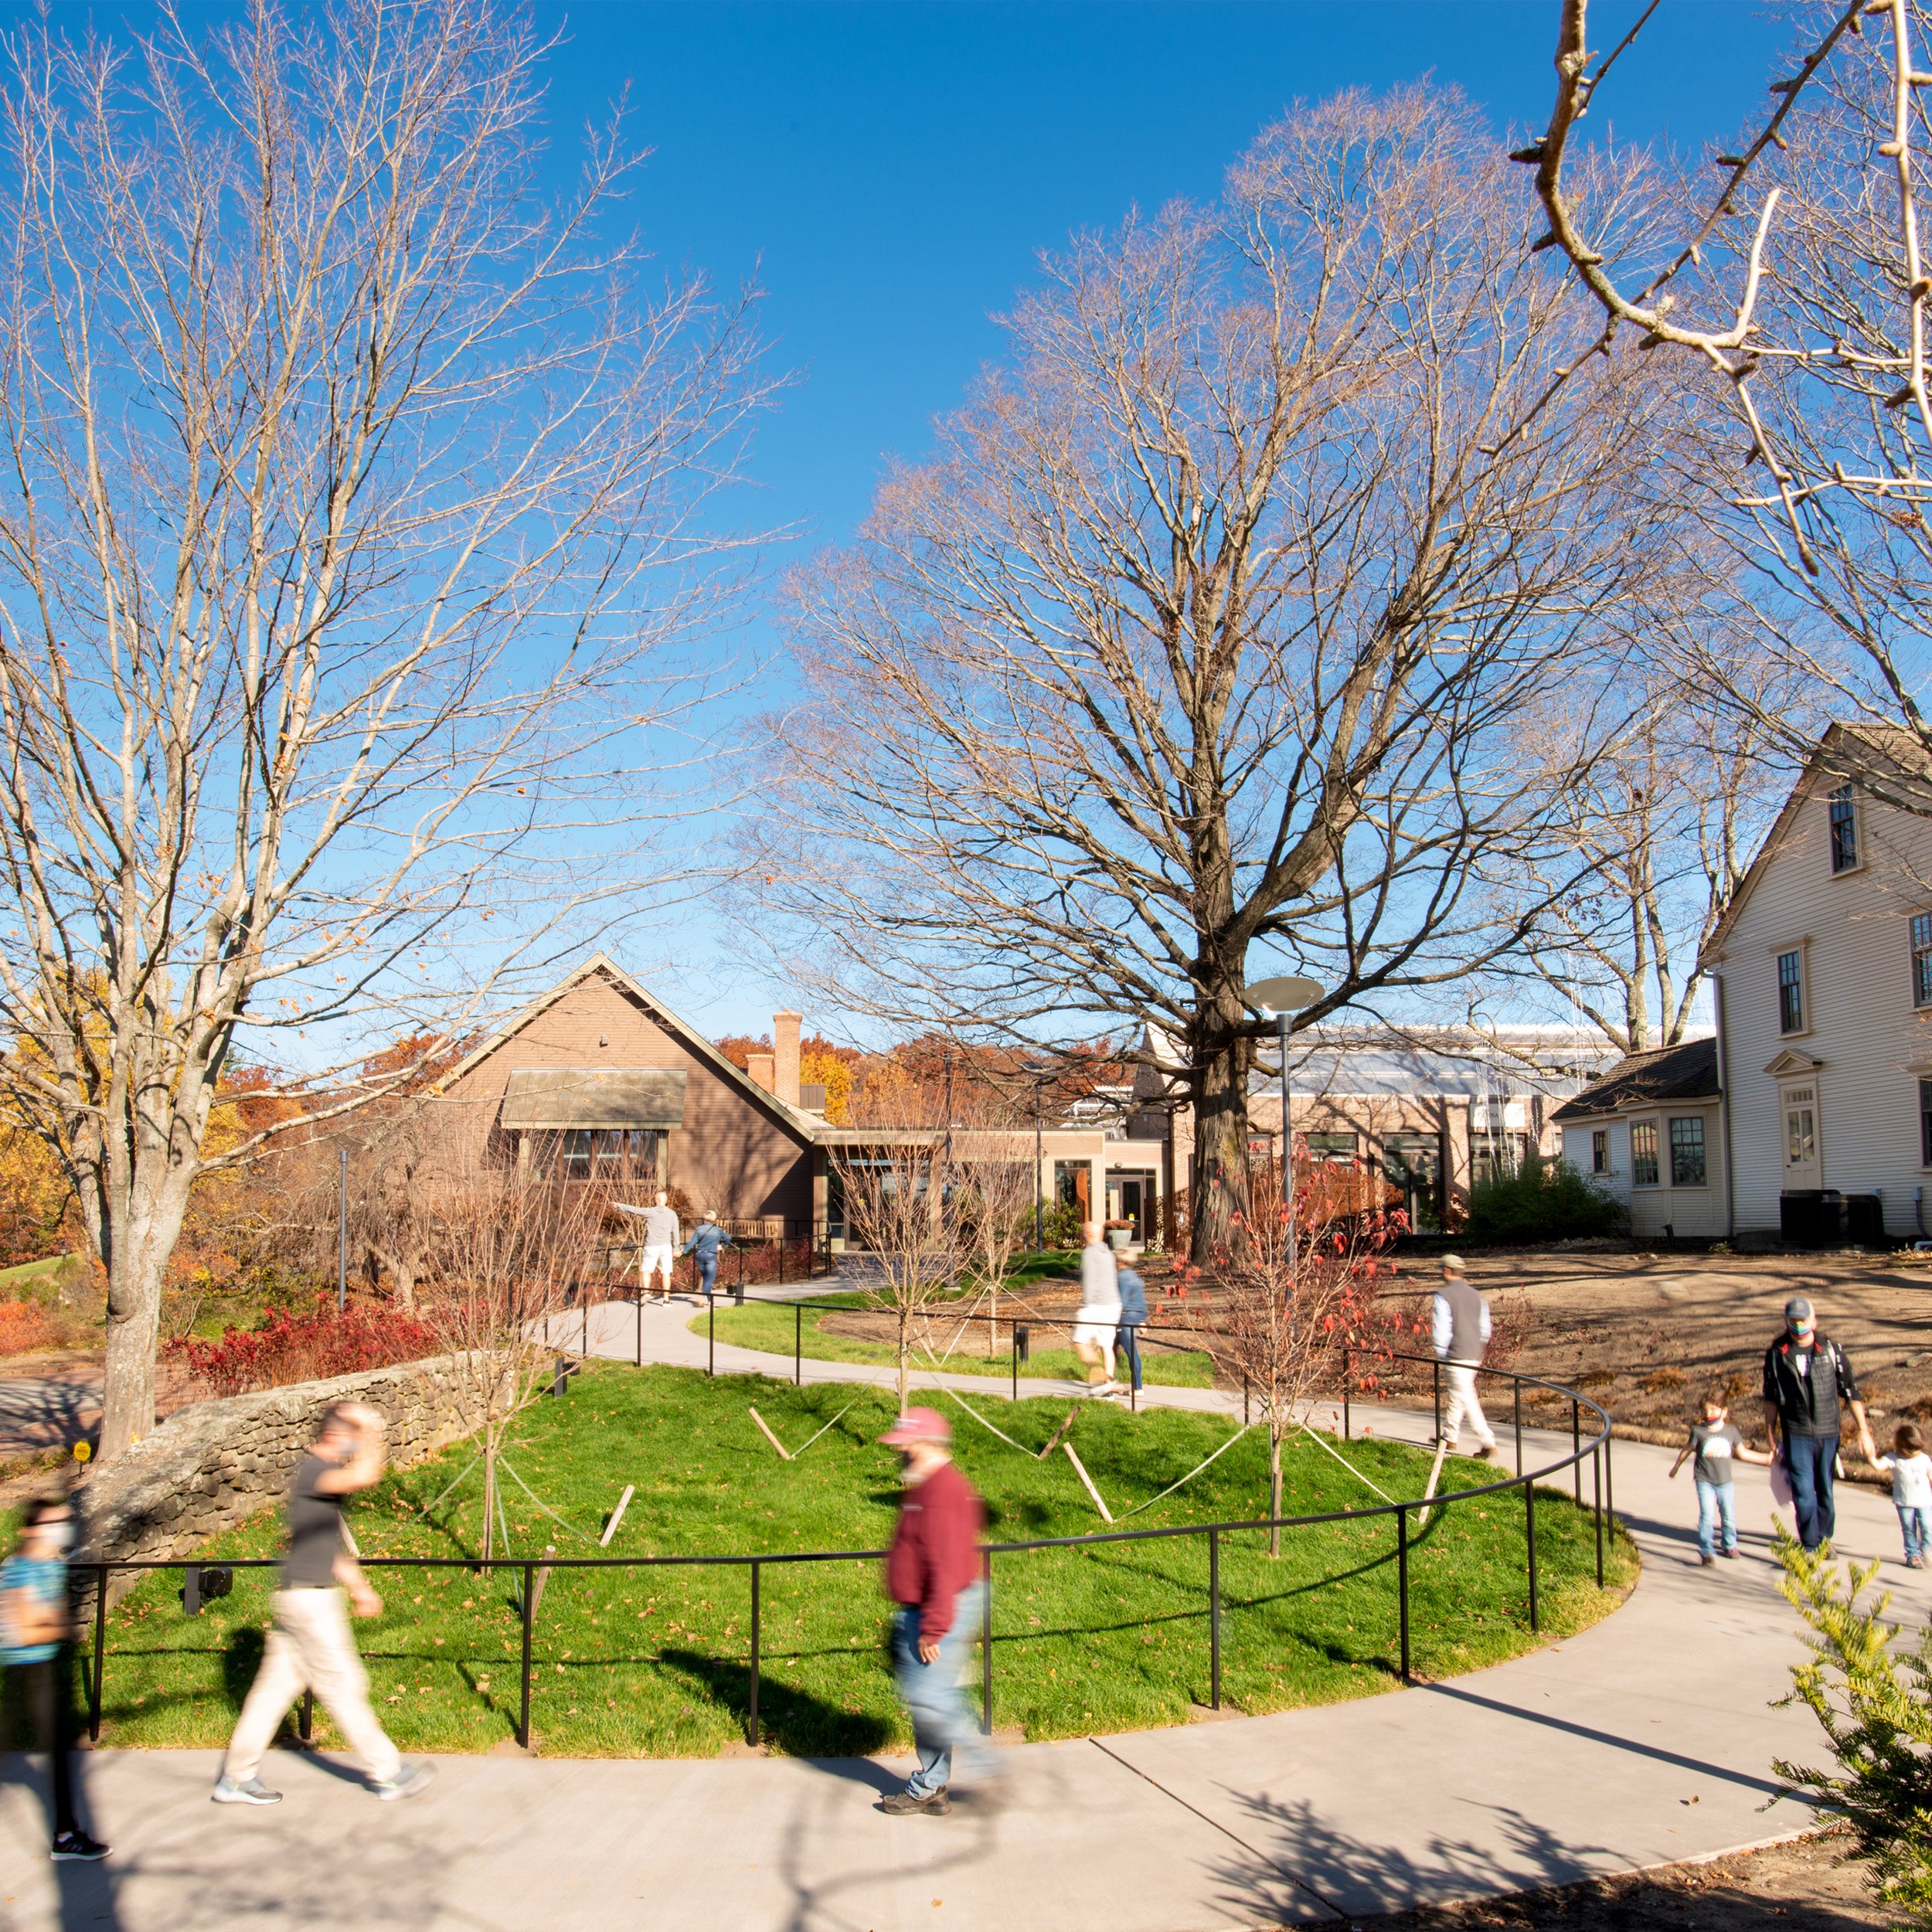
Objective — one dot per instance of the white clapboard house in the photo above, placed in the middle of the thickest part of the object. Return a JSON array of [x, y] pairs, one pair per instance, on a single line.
[[1823, 971]]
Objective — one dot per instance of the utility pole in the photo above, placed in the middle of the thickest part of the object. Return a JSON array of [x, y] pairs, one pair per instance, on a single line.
[[1039, 1236], [341, 1236]]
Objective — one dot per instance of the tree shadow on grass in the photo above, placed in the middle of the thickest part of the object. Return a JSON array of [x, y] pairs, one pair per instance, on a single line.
[[794, 1721]]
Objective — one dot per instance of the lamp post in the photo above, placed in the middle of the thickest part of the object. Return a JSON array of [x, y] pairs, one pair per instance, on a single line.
[[1039, 1075], [1285, 998]]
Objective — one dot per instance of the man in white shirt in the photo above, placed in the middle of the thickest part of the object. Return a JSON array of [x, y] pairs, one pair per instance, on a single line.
[[1099, 1318], [660, 1245]]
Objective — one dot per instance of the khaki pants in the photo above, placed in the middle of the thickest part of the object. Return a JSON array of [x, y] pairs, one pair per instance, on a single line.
[[1461, 1377], [310, 1648]]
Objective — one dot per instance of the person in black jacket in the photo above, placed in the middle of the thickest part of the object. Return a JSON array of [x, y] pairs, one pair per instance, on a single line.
[[1808, 1381]]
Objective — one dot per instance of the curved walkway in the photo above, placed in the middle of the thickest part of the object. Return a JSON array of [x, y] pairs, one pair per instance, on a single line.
[[1647, 1740]]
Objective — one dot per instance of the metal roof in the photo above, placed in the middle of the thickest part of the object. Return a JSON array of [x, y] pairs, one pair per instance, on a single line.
[[1399, 1068]]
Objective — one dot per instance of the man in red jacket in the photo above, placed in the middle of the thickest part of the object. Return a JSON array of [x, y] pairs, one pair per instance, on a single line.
[[932, 1572]]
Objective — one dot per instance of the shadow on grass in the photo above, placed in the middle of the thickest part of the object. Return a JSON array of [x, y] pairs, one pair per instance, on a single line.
[[794, 1721]]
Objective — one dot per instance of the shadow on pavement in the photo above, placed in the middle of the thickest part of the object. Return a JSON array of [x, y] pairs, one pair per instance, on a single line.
[[1295, 1861], [86, 1892], [1549, 1721], [799, 1724]]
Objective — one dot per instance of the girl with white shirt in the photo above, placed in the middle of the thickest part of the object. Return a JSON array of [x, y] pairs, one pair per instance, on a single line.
[[1911, 1469]]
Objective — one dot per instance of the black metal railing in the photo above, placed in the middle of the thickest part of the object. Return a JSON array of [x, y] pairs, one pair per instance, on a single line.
[[1597, 1451]]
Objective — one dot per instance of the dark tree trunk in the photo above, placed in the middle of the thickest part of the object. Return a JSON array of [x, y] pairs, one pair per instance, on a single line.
[[1222, 1060]]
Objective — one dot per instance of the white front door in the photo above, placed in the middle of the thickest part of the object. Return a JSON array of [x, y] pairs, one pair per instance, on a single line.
[[1804, 1156]]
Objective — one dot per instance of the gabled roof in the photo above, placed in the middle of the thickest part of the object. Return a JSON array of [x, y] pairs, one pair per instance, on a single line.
[[1687, 1071], [685, 1034], [1839, 754]]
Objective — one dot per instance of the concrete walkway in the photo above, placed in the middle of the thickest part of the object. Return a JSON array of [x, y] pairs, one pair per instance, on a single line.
[[1647, 1740]]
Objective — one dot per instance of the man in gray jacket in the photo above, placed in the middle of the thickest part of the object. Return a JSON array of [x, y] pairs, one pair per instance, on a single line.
[[1459, 1328]]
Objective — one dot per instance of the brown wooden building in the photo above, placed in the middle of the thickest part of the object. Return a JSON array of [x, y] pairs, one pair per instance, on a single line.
[[601, 1079]]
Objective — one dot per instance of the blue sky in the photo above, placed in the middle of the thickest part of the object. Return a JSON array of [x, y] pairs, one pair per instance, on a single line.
[[890, 171]]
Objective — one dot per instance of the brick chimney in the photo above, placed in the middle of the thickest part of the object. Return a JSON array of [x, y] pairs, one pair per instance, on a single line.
[[759, 1067], [784, 1030]]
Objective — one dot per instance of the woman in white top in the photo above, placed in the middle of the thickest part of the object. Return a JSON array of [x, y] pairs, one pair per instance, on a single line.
[[1100, 1313]]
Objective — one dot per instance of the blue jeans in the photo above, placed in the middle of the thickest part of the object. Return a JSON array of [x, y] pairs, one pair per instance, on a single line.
[[1917, 1523], [707, 1267], [942, 1721], [1126, 1343], [1716, 1501], [1809, 1461]]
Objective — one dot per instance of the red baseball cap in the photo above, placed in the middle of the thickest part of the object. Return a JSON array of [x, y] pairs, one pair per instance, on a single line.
[[918, 1425]]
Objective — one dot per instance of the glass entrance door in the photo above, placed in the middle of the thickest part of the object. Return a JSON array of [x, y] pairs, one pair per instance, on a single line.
[[1413, 1163], [1132, 1198]]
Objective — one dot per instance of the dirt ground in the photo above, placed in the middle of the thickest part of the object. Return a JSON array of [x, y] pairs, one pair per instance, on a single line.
[[1646, 1333], [1812, 1885]]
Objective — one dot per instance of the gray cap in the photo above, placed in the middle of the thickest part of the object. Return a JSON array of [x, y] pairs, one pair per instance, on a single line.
[[1797, 1309], [1452, 1264]]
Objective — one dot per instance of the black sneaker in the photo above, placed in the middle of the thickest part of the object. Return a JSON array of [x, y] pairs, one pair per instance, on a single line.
[[72, 1847], [902, 1804]]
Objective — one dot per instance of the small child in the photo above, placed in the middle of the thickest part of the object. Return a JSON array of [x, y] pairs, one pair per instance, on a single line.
[[1911, 1469], [1717, 1444]]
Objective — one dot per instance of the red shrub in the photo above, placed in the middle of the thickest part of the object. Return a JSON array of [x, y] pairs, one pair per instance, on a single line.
[[291, 1347], [24, 1327]]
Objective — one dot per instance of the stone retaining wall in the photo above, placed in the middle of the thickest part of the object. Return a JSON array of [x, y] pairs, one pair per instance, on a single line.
[[217, 1464]]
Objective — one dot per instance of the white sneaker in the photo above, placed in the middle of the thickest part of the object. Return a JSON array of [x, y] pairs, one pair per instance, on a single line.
[[247, 1791], [408, 1780]]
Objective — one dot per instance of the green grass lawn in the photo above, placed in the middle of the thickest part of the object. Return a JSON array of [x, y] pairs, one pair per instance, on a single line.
[[655, 1661], [771, 1326], [48, 1272]]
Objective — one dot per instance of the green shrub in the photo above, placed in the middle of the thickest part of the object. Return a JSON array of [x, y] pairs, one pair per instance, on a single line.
[[1876, 1707], [1541, 1201]]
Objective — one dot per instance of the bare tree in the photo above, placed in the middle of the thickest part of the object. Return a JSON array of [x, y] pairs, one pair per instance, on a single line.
[[895, 1208], [1666, 818], [509, 1242], [1211, 628], [1793, 298], [993, 1202], [340, 473], [1295, 1290]]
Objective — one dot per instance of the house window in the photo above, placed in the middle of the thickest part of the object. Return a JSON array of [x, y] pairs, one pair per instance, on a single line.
[[1925, 1123], [610, 1153], [1643, 1154], [1790, 992], [1845, 830], [1600, 1151], [1330, 1146], [1922, 959], [1687, 1152]]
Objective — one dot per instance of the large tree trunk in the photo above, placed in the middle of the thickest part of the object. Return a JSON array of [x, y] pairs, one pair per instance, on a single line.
[[1220, 1207], [133, 1232]]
